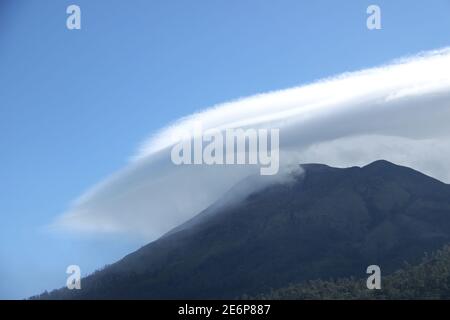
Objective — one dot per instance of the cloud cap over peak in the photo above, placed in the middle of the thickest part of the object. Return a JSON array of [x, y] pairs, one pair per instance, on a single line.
[[399, 112]]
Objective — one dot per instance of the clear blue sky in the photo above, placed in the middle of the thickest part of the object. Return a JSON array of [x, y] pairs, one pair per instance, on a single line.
[[74, 105]]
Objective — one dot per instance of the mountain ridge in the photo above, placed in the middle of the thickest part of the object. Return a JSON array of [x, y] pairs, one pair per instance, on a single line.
[[330, 222]]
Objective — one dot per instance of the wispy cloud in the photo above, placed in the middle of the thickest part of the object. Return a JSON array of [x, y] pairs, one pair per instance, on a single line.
[[399, 112]]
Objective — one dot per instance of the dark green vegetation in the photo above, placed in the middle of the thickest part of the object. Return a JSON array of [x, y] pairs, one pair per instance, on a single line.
[[330, 223], [428, 280]]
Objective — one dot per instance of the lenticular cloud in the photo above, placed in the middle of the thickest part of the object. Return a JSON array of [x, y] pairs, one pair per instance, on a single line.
[[398, 112]]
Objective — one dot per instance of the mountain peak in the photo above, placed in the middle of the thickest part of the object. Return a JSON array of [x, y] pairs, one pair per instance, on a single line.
[[375, 164], [381, 163]]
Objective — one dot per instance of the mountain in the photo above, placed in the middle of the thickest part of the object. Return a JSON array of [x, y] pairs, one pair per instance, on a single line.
[[326, 223]]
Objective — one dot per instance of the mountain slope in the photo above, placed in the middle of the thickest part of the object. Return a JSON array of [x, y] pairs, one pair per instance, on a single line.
[[328, 223], [429, 279]]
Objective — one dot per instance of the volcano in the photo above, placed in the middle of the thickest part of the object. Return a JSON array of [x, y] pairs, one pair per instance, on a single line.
[[326, 223]]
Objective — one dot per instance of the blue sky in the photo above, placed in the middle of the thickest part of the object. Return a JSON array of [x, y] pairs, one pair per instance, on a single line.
[[76, 104]]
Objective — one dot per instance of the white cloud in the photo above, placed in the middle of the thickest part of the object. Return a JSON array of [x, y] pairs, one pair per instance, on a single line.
[[399, 112]]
